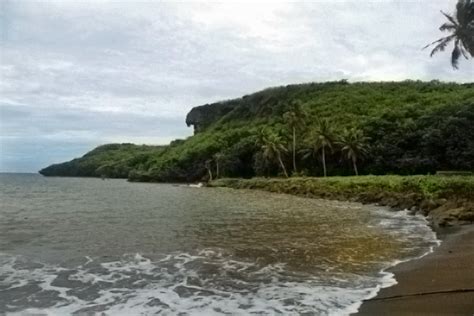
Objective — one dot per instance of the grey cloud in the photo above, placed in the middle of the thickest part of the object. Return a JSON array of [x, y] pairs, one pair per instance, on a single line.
[[35, 122], [75, 74]]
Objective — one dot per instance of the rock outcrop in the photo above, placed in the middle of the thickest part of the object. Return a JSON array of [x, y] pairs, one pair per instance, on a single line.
[[203, 116]]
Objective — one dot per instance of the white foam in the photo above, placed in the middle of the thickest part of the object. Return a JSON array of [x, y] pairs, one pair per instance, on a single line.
[[261, 290], [414, 226], [177, 283]]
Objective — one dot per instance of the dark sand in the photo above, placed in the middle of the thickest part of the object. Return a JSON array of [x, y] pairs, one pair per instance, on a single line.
[[446, 277]]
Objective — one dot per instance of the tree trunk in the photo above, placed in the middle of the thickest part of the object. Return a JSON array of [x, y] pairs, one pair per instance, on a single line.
[[217, 169], [210, 173], [354, 163], [294, 149], [282, 165], [323, 154]]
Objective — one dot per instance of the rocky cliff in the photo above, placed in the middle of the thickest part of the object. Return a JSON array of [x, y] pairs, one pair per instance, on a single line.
[[203, 116], [263, 103]]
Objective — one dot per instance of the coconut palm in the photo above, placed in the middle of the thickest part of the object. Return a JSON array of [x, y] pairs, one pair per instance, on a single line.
[[354, 146], [461, 27], [208, 166], [295, 119], [218, 158], [272, 148], [323, 138], [261, 136]]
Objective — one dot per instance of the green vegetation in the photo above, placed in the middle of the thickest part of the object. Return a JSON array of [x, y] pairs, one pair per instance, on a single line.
[[272, 148], [461, 29], [323, 137], [295, 118], [112, 161], [434, 187], [354, 146], [333, 128]]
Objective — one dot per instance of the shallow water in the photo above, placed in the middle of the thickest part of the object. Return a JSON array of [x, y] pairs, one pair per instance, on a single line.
[[90, 246]]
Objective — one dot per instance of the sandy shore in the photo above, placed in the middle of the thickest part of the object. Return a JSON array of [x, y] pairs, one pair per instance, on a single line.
[[441, 283]]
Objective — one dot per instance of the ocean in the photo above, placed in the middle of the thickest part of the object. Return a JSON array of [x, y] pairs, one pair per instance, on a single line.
[[92, 246]]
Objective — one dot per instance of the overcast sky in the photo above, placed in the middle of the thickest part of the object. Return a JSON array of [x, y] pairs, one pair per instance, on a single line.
[[76, 74]]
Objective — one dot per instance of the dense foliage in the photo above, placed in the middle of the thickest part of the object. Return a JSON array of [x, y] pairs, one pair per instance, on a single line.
[[112, 161], [408, 127], [433, 187]]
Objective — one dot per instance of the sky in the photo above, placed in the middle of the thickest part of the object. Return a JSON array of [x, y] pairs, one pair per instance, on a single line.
[[77, 74]]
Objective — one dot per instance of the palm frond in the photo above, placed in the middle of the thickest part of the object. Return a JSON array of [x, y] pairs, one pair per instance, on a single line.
[[442, 45], [447, 27], [455, 55], [463, 51], [307, 154], [282, 148], [461, 27], [437, 41], [450, 18]]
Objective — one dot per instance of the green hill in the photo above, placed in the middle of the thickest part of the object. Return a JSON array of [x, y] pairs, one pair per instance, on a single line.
[[112, 160], [413, 128]]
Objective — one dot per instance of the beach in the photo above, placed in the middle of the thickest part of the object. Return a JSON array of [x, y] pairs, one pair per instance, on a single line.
[[441, 283]]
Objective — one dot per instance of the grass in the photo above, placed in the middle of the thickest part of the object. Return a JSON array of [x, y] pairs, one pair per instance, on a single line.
[[426, 187]]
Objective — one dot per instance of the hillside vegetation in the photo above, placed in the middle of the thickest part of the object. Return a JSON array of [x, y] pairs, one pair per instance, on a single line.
[[112, 160], [408, 127]]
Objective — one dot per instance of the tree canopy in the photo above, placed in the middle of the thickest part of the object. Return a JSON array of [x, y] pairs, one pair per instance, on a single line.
[[413, 127], [461, 33]]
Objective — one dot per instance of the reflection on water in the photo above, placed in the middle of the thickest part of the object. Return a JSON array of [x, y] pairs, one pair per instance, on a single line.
[[89, 245]]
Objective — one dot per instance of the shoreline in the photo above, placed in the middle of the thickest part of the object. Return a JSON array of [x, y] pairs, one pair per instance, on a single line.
[[444, 201], [439, 283], [389, 276]]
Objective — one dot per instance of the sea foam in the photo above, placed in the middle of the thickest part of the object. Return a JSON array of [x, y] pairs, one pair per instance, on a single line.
[[208, 282]]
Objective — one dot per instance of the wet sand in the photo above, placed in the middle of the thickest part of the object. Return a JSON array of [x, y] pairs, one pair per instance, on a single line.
[[441, 283]]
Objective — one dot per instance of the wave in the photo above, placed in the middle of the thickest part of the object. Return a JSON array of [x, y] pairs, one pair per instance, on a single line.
[[208, 282], [418, 229]]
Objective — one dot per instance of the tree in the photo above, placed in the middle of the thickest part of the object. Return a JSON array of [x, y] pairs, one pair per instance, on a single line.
[[461, 27], [218, 158], [272, 148], [354, 146], [208, 165], [261, 136], [322, 138], [295, 119]]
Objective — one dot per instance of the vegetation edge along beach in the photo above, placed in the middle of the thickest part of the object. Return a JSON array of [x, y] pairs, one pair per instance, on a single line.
[[445, 200]]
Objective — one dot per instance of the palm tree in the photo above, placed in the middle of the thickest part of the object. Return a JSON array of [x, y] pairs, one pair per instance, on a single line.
[[295, 119], [354, 146], [272, 148], [323, 137], [208, 165], [461, 27], [261, 136], [217, 158]]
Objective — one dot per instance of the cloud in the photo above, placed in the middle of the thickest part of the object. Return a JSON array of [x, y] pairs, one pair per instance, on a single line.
[[75, 74]]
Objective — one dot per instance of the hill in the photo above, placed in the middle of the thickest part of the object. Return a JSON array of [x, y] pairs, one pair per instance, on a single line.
[[112, 160], [412, 127]]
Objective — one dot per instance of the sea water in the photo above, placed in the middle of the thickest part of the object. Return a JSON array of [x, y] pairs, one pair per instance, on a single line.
[[92, 246]]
